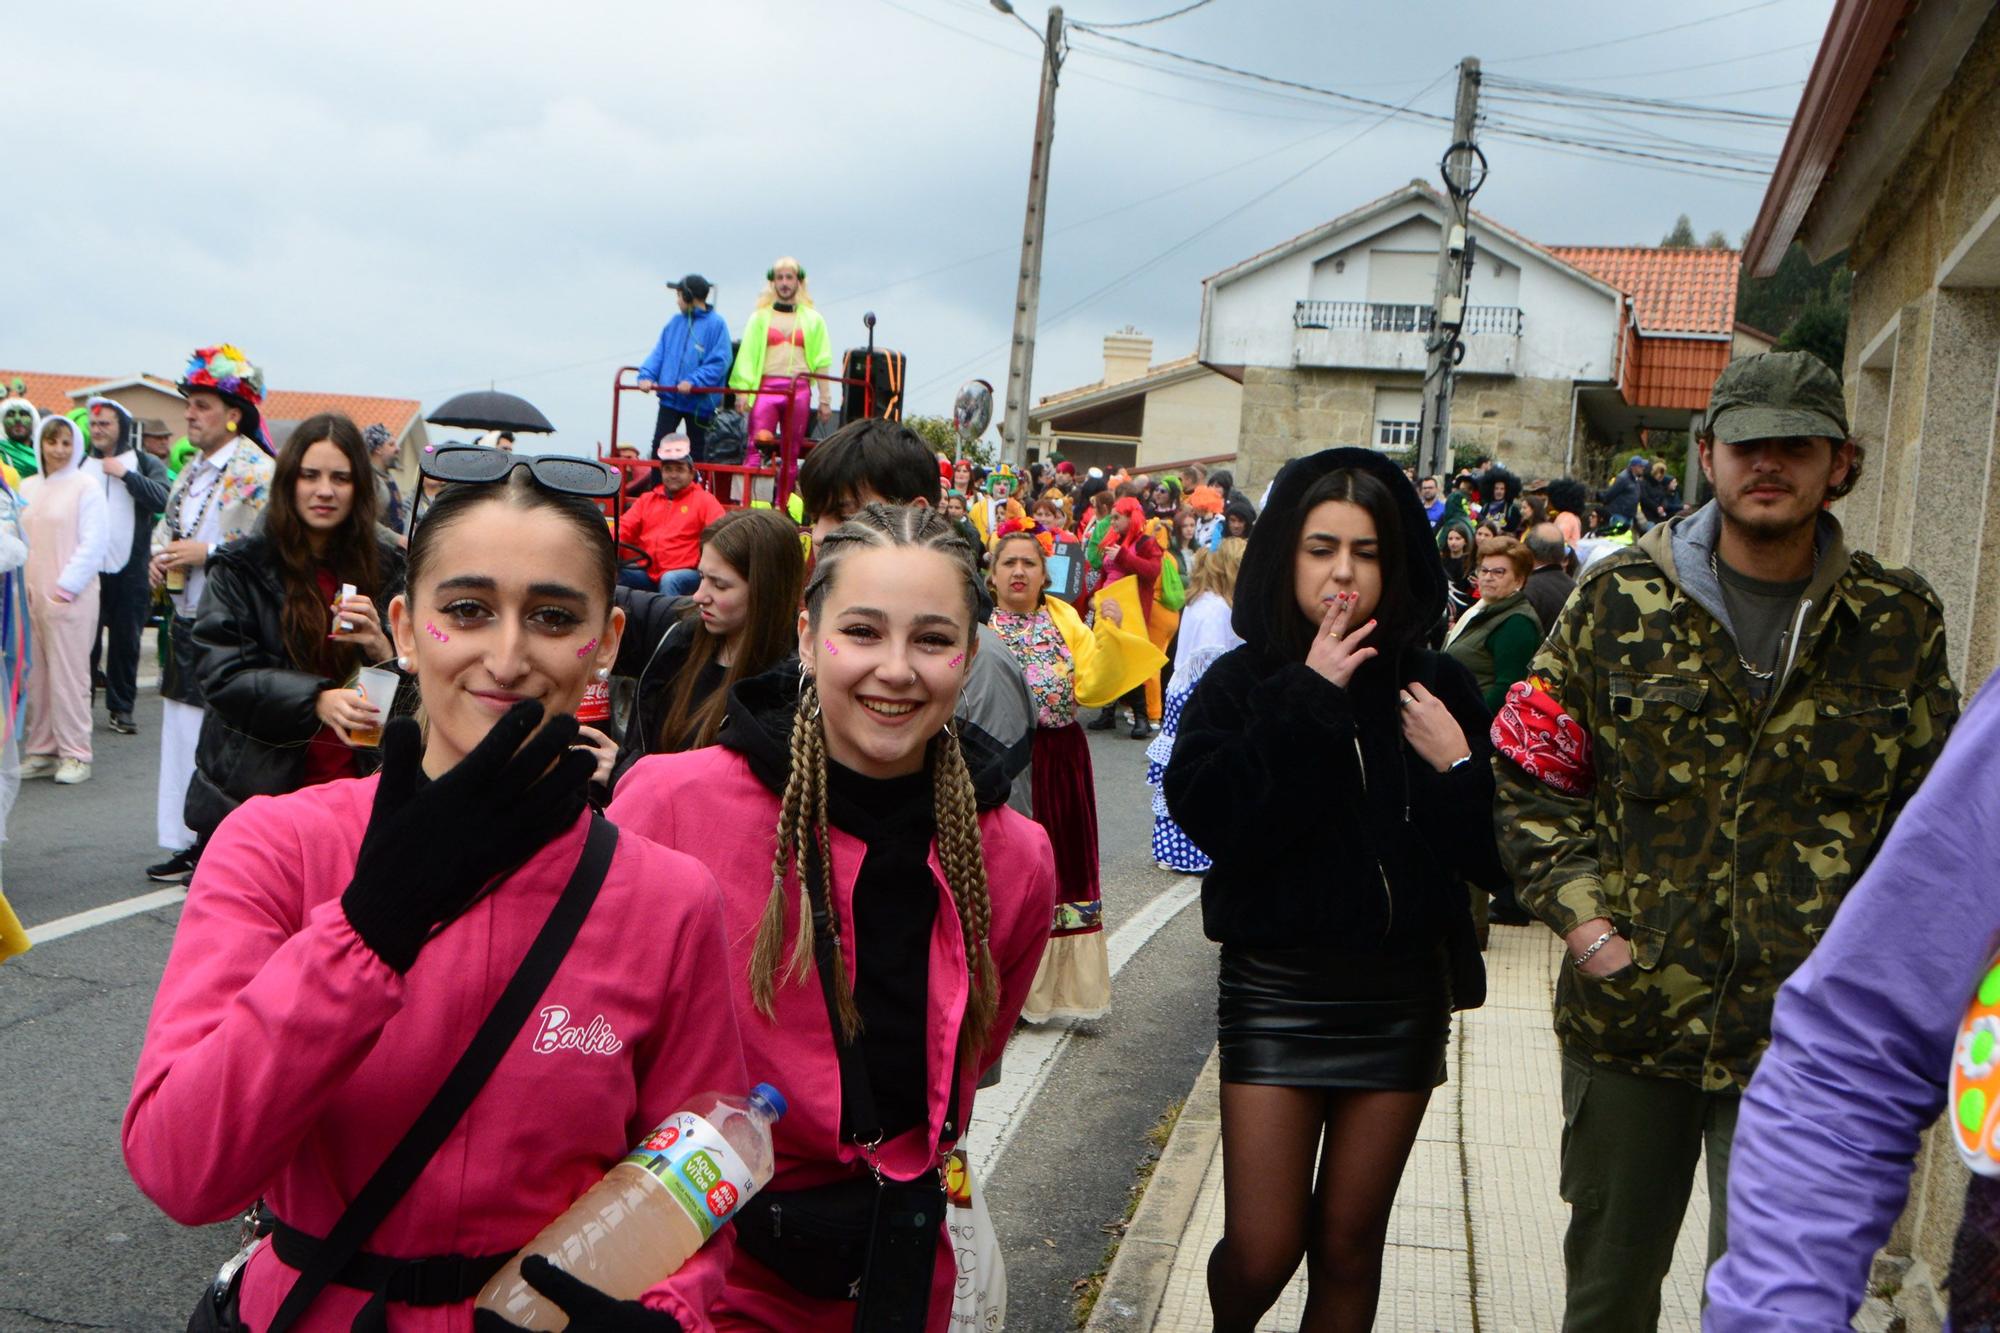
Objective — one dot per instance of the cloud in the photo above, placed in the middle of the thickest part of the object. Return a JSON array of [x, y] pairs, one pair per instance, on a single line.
[[414, 199]]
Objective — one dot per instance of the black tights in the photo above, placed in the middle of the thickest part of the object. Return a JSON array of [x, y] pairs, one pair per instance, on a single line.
[[1274, 1212]]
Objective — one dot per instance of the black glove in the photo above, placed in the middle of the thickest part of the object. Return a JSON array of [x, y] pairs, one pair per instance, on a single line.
[[589, 1310], [432, 847]]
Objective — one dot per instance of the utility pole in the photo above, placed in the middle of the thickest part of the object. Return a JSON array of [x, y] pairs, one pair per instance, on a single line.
[[1027, 299], [1464, 171]]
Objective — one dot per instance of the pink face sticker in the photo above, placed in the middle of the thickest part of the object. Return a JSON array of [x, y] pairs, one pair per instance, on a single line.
[[436, 633], [831, 651], [956, 660], [586, 650]]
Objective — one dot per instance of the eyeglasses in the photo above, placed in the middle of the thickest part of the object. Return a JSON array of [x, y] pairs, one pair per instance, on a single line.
[[1504, 571]]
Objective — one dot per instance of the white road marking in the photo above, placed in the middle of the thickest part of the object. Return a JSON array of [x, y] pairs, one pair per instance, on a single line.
[[98, 916], [1032, 1052]]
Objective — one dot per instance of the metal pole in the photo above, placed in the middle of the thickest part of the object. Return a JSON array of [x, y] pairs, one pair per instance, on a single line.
[[1448, 305], [1027, 300]]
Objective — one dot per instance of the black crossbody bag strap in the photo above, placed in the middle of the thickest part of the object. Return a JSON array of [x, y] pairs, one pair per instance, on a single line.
[[503, 1023]]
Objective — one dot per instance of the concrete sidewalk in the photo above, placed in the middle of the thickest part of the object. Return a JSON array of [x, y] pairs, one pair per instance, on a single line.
[[1475, 1242]]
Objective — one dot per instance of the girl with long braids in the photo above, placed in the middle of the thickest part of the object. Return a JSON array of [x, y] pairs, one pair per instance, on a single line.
[[1337, 775], [1067, 667], [881, 955]]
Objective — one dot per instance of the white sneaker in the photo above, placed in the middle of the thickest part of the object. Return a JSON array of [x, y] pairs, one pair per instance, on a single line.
[[72, 771], [38, 766]]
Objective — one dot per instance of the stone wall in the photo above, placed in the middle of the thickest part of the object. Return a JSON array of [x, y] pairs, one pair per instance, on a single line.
[[1925, 404], [1290, 412]]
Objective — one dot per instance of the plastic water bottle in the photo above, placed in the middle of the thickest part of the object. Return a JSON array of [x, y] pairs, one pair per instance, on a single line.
[[651, 1211]]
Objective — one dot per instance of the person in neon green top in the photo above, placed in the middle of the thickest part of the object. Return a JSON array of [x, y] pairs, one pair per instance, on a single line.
[[784, 340]]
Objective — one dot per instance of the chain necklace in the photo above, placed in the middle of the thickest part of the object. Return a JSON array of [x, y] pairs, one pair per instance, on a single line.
[[177, 523], [1765, 676]]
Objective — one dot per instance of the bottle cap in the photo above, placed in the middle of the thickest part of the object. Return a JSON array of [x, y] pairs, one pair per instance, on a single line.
[[764, 1092]]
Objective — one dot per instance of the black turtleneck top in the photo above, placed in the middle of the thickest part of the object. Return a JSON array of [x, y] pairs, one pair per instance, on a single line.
[[895, 911]]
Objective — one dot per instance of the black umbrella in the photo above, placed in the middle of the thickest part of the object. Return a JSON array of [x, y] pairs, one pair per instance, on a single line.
[[489, 409]]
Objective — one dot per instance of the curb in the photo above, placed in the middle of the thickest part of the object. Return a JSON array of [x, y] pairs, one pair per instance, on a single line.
[[1137, 1280]]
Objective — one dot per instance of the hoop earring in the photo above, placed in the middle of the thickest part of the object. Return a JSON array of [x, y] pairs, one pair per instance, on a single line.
[[808, 700], [950, 731]]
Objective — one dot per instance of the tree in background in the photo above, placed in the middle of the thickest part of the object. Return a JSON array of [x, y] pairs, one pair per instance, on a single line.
[[940, 435], [1804, 303], [1715, 240], [1681, 237]]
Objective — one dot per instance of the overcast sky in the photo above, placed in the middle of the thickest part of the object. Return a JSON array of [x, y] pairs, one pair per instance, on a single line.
[[411, 199]]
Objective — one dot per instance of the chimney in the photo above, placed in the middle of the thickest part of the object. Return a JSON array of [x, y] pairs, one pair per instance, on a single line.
[[1128, 354]]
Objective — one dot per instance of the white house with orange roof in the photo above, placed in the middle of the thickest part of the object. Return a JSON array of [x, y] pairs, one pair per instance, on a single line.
[[1570, 355]]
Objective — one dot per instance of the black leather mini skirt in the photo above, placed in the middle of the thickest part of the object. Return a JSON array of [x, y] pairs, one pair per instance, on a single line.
[[1322, 1018]]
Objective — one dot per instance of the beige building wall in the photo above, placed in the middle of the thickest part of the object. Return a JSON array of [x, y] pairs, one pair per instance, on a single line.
[[1923, 354], [1923, 389], [1195, 418], [1291, 412]]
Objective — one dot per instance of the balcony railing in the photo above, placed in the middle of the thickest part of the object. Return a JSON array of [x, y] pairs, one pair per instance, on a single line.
[[1378, 317]]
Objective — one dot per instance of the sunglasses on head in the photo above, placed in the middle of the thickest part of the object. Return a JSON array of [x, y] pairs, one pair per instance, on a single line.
[[476, 465]]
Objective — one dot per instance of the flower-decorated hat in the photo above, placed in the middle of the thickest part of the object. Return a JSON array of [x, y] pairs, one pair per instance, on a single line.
[[226, 371]]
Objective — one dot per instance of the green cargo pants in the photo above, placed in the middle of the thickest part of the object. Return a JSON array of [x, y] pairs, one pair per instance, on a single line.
[[1629, 1146]]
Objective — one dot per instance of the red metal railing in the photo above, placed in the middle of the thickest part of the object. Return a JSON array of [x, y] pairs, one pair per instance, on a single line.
[[722, 479]]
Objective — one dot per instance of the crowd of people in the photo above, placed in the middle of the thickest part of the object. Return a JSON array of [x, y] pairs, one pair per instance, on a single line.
[[842, 835]]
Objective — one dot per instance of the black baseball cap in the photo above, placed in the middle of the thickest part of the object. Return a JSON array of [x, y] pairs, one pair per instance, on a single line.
[[694, 287]]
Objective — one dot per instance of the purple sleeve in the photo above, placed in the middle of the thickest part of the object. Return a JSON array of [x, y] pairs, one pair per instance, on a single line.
[[1860, 1053]]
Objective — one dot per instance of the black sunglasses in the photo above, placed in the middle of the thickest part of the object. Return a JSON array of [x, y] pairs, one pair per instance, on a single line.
[[478, 465], [473, 464]]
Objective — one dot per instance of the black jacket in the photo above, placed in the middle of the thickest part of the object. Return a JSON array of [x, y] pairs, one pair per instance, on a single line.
[[1325, 827], [658, 633], [260, 708], [1621, 498]]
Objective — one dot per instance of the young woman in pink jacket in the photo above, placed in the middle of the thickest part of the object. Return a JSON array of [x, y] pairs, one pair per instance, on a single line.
[[340, 946], [880, 952]]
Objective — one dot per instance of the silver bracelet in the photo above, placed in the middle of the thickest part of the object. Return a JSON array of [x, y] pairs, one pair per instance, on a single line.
[[1599, 943]]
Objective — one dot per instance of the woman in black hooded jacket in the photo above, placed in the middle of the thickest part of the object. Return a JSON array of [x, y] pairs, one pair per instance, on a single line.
[[1337, 774]]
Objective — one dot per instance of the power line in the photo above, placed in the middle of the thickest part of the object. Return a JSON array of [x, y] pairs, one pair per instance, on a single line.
[[1186, 241], [1529, 89], [1637, 36], [1682, 69], [1157, 18], [1699, 173], [1336, 94], [1506, 129]]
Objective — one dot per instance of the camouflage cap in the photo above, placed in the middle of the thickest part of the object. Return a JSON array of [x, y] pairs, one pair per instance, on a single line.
[[1775, 395]]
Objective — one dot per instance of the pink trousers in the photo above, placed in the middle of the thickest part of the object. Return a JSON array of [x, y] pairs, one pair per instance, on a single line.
[[59, 674], [779, 396]]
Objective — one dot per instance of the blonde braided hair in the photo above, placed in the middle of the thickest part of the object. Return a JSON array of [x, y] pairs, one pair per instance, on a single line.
[[802, 819]]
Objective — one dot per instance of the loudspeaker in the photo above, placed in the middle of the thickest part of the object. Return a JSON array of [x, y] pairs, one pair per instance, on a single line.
[[887, 373]]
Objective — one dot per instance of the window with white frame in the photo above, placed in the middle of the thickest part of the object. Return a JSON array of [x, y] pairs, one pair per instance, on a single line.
[[1398, 417]]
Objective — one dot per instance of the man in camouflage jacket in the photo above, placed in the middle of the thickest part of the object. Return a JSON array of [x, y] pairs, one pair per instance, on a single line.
[[1760, 702]]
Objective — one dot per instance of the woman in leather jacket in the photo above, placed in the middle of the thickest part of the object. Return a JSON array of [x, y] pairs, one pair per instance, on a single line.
[[279, 645]]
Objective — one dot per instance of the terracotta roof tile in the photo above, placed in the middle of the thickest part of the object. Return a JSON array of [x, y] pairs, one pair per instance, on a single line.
[[1672, 290], [297, 405], [51, 393]]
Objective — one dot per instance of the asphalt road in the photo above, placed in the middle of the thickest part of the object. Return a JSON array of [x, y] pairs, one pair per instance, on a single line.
[[80, 1248]]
